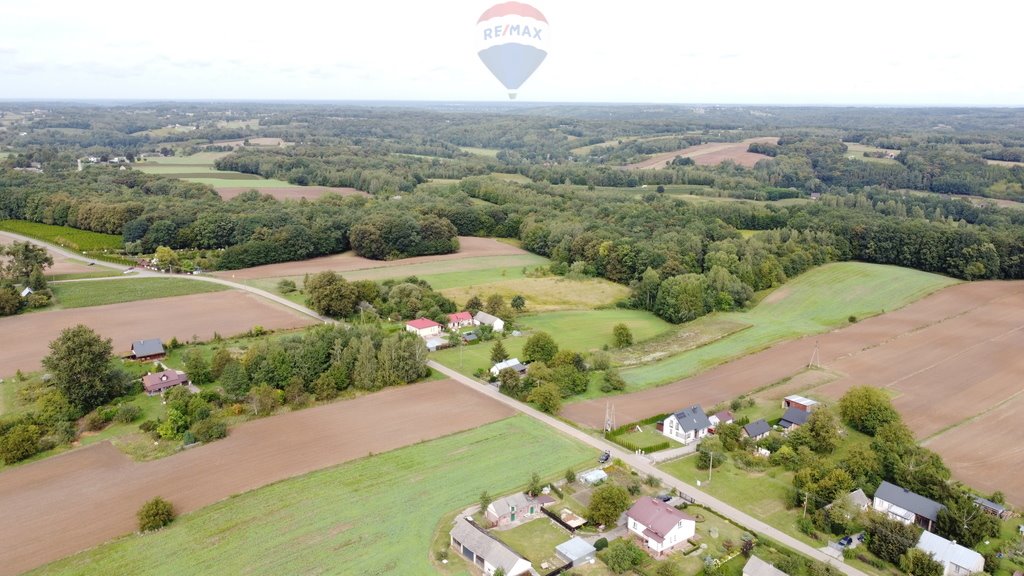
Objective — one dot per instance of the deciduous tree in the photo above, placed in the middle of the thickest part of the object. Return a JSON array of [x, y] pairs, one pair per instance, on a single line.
[[607, 503], [80, 364]]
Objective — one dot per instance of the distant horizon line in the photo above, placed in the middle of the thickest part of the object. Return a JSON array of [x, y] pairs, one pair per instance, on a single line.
[[501, 103]]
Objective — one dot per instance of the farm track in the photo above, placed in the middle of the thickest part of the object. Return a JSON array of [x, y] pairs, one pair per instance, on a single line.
[[67, 503]]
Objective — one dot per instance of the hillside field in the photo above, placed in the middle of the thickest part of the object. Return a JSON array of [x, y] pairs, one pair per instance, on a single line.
[[814, 302], [99, 292], [370, 516]]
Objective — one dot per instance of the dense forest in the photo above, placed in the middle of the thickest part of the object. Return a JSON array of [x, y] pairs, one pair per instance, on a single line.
[[576, 205]]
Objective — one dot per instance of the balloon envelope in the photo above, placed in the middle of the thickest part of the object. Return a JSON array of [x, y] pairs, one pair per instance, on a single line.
[[513, 42]]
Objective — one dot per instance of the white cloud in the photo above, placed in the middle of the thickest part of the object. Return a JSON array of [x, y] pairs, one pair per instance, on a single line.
[[735, 51]]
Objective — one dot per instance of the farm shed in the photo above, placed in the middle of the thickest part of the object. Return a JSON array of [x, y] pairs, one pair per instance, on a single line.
[[799, 402], [485, 552], [576, 551], [150, 349]]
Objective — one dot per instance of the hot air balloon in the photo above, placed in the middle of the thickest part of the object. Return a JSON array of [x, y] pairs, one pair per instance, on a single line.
[[513, 38]]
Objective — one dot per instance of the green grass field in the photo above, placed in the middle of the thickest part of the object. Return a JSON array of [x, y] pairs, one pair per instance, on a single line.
[[816, 301], [548, 293], [100, 292], [199, 168], [592, 329], [535, 540], [65, 236], [371, 516], [856, 151], [488, 152]]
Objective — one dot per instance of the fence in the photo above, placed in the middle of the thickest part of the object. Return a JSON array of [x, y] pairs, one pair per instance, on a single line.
[[558, 571], [558, 519]]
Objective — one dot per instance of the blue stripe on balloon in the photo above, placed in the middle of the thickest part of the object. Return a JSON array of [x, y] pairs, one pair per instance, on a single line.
[[512, 63]]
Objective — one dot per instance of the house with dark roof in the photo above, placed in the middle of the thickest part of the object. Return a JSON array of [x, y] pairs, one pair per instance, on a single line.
[[659, 526], [157, 382], [794, 418], [687, 425], [757, 429], [905, 506], [151, 349], [483, 551]]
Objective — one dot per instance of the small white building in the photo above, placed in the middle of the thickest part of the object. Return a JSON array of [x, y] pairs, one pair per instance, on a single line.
[[485, 319], [27, 292], [757, 567], [423, 327], [956, 559], [512, 363], [660, 526], [687, 425]]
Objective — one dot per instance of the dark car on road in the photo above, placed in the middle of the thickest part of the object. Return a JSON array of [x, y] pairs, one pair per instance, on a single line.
[[604, 457]]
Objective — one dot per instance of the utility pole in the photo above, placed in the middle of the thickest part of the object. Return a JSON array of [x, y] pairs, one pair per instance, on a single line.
[[711, 465], [805, 504]]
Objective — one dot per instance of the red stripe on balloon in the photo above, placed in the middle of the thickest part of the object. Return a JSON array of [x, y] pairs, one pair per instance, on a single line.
[[512, 9]]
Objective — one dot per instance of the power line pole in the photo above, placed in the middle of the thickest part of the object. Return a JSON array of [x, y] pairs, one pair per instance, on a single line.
[[711, 465], [805, 503]]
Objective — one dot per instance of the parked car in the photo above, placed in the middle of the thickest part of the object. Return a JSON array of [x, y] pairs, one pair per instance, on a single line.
[[604, 457], [846, 541], [665, 497]]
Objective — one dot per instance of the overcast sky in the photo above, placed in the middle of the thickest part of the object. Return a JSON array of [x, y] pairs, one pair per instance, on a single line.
[[731, 51]]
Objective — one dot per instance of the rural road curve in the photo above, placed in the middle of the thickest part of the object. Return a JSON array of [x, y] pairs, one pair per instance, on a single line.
[[150, 274], [641, 464]]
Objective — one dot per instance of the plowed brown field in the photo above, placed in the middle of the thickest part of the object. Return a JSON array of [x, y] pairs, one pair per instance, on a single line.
[[710, 154], [24, 339], [61, 505], [953, 361], [61, 264]]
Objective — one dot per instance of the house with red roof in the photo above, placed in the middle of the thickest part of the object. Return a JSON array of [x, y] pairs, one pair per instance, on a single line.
[[659, 526], [460, 320], [157, 382], [423, 327]]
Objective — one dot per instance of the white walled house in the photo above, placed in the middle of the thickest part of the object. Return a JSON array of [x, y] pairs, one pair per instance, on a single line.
[[423, 327], [957, 560], [483, 318], [484, 552], [686, 425], [905, 506], [659, 526]]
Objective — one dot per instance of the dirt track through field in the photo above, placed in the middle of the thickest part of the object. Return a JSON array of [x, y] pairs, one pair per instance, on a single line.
[[469, 247], [24, 339], [290, 193], [710, 154], [61, 263], [65, 504], [948, 358]]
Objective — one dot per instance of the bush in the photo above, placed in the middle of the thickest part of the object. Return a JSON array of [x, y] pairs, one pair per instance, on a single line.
[[286, 286], [148, 425], [209, 430], [601, 544], [20, 442], [93, 422], [127, 413], [570, 476], [155, 514], [188, 438]]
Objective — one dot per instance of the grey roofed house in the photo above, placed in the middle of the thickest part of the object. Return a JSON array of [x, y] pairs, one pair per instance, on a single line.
[[473, 542], [989, 506], [956, 559], [757, 567], [859, 499], [794, 417], [907, 500], [757, 428], [147, 348], [575, 551], [692, 419]]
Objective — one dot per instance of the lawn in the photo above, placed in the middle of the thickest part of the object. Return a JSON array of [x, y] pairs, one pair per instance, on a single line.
[[816, 301], [488, 152], [535, 540], [199, 168], [856, 151], [100, 292], [548, 294], [370, 516], [65, 236], [647, 437], [592, 329]]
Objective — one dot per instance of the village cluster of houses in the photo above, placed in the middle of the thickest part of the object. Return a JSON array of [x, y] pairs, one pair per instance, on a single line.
[[431, 331], [154, 383], [658, 527], [691, 424]]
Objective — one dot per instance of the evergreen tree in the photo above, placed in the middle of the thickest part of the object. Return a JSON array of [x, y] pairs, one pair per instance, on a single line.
[[498, 353]]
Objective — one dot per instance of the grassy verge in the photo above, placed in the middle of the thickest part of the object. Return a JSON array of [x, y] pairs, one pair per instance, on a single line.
[[817, 301], [371, 516], [100, 292]]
